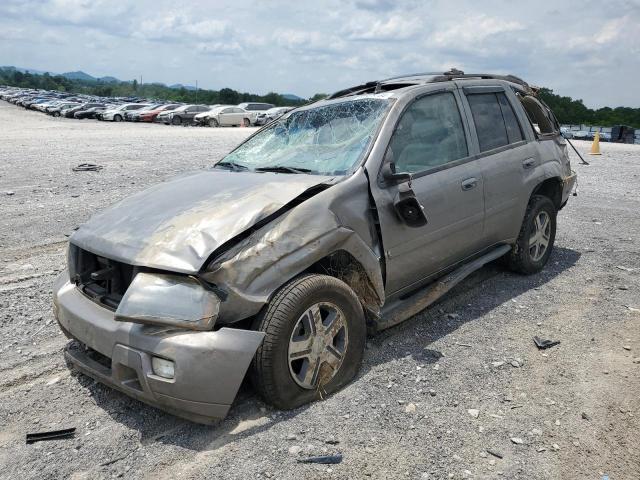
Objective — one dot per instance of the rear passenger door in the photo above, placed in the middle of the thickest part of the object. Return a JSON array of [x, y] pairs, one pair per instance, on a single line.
[[506, 157], [226, 116], [430, 141]]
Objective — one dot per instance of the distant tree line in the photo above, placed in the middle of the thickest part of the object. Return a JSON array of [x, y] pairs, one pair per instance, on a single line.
[[574, 112], [159, 91], [568, 110]]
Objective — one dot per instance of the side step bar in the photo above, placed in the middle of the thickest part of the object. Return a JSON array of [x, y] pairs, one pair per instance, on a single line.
[[405, 309]]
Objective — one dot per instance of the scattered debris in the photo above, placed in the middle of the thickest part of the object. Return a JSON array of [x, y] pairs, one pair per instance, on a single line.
[[411, 408], [494, 453], [473, 412], [585, 416], [323, 459], [295, 449], [497, 364], [624, 269], [332, 441], [87, 167], [632, 309], [9, 193], [463, 344], [51, 435], [626, 347], [544, 344], [517, 441]]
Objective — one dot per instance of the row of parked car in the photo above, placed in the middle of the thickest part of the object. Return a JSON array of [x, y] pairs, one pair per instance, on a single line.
[[60, 104], [617, 133]]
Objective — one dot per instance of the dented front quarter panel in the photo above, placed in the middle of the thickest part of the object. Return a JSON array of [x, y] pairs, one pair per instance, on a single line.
[[336, 219]]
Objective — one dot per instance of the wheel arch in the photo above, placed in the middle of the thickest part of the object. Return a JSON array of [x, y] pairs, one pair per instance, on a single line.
[[550, 188], [342, 265]]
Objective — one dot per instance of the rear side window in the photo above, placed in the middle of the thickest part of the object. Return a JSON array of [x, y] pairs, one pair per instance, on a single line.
[[496, 123], [539, 115]]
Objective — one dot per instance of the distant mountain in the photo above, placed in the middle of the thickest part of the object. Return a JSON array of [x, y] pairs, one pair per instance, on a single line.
[[291, 96], [179, 86], [79, 76], [108, 79]]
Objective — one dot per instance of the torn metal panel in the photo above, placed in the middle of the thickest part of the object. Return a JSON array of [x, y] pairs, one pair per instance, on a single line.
[[176, 225], [164, 299], [333, 220]]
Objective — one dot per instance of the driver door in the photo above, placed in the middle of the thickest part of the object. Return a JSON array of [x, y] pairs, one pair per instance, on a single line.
[[431, 141]]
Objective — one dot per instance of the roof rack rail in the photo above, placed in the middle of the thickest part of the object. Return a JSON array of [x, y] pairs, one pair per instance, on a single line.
[[430, 77]]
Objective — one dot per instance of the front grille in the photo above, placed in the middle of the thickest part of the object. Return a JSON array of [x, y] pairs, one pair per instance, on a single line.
[[101, 279]]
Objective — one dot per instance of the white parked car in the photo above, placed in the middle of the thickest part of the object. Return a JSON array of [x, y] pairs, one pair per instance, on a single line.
[[230, 116], [203, 118], [272, 114], [117, 114]]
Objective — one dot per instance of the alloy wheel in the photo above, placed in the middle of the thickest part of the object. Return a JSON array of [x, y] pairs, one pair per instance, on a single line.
[[317, 345], [539, 241]]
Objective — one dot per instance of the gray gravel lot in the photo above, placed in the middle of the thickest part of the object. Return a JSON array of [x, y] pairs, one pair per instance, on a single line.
[[434, 393]]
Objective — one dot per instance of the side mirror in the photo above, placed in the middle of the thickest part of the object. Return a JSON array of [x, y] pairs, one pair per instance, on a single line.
[[408, 208], [390, 175]]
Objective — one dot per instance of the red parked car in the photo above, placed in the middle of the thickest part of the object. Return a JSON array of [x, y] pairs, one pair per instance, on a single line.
[[150, 115]]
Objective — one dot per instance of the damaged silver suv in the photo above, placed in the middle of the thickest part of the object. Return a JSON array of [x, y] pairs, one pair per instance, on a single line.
[[345, 216]]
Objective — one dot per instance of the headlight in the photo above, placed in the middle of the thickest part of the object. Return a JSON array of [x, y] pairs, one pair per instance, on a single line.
[[166, 299]]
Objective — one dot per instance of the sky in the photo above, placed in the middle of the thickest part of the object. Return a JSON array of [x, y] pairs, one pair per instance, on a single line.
[[584, 49]]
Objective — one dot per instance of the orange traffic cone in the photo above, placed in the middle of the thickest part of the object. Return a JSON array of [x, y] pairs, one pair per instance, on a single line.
[[595, 146]]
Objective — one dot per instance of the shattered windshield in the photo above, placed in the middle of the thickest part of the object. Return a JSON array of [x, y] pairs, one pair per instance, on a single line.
[[326, 140]]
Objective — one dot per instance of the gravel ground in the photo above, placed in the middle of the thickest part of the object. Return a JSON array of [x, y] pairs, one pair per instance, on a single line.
[[434, 393]]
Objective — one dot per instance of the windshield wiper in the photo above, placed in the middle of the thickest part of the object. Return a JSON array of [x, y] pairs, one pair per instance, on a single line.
[[283, 169], [231, 166]]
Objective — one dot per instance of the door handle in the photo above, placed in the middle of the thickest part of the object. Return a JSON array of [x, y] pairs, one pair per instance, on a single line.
[[529, 163], [469, 183]]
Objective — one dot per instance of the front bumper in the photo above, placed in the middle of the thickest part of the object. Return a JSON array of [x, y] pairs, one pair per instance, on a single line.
[[209, 365]]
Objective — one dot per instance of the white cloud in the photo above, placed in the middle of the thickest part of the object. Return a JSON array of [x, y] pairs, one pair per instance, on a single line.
[[395, 27], [301, 41], [220, 48], [472, 31], [178, 26]]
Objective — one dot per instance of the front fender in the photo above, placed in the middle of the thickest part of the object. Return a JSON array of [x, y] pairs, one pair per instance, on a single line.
[[255, 268]]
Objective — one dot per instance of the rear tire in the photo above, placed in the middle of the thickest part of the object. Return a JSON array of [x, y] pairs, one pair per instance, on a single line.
[[537, 236], [246, 122], [315, 337]]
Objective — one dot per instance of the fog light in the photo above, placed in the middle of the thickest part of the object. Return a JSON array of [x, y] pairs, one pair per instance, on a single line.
[[162, 367]]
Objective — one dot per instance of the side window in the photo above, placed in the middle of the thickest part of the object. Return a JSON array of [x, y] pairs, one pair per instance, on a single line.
[[514, 132], [487, 117], [429, 134], [227, 110], [539, 115]]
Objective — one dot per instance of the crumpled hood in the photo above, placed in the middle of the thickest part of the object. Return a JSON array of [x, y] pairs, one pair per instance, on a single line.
[[176, 225]]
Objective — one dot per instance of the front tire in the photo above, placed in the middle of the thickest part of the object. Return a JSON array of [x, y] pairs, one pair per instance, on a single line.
[[315, 337], [117, 118], [176, 120], [246, 122], [213, 122], [537, 236]]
